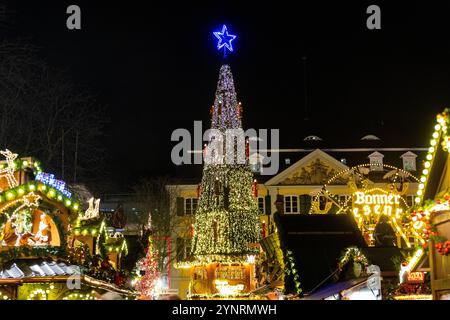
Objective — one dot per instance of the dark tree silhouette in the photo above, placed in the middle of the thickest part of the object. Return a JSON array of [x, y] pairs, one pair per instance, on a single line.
[[43, 114]]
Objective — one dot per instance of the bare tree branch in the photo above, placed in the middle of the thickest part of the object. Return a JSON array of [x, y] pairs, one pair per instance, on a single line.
[[41, 112]]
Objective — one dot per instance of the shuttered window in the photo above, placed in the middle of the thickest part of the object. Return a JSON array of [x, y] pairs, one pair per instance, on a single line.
[[261, 205], [305, 203]]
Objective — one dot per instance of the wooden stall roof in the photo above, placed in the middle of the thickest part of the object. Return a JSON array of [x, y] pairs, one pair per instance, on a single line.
[[40, 270]]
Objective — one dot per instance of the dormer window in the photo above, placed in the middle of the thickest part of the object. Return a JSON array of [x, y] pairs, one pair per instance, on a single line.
[[256, 162], [376, 161], [312, 138], [409, 161], [370, 137]]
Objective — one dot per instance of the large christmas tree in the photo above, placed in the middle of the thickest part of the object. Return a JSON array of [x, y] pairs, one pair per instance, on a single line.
[[227, 217]]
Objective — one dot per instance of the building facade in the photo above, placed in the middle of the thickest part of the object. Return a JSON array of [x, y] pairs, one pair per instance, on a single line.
[[317, 181]]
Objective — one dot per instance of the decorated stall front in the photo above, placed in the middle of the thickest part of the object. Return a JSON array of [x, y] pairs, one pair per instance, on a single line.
[[50, 248], [433, 211]]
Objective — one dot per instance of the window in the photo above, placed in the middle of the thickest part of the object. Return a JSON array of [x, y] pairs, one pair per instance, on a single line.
[[291, 204], [409, 164], [305, 203], [376, 161], [370, 137], [190, 204], [312, 138], [261, 205], [409, 161]]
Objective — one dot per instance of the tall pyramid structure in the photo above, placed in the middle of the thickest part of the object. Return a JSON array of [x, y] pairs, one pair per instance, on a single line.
[[227, 224]]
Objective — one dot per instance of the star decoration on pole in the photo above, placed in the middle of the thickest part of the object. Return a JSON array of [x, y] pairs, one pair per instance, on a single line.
[[224, 39]]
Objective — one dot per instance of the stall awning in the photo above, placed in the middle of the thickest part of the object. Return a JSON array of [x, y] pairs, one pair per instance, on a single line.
[[40, 270], [30, 268], [335, 288]]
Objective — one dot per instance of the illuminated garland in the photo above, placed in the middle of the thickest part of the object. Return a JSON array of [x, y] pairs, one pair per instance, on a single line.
[[219, 296], [415, 297], [352, 253], [401, 220], [41, 293], [120, 248], [440, 131], [26, 251], [214, 258], [355, 170], [79, 296], [50, 193], [422, 218], [29, 200], [21, 164], [89, 230], [290, 270]]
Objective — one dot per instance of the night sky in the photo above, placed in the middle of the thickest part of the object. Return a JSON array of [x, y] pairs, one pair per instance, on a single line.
[[155, 67]]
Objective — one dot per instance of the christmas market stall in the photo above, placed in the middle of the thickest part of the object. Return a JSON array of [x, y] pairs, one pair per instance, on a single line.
[[433, 212], [51, 247]]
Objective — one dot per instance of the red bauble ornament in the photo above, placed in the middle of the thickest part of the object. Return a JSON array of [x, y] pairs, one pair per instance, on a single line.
[[255, 189], [105, 265], [199, 191]]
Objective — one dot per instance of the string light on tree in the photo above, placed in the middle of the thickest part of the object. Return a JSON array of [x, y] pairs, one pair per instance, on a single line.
[[227, 217], [146, 284]]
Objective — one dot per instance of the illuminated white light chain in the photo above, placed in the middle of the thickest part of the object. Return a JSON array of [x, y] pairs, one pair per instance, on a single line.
[[93, 211], [440, 131], [372, 209], [8, 171], [361, 177]]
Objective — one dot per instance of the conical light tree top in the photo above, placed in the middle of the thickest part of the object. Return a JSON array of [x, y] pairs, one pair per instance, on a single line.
[[226, 111], [227, 221]]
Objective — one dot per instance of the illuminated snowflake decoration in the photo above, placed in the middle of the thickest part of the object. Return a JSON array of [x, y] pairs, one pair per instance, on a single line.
[[224, 39]]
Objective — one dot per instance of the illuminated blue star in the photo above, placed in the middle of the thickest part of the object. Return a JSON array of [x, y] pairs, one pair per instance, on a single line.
[[224, 39]]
